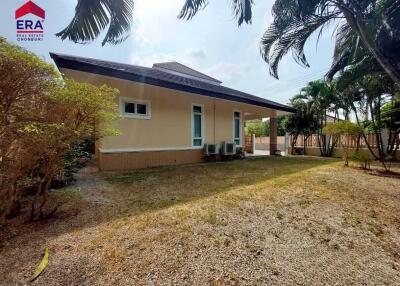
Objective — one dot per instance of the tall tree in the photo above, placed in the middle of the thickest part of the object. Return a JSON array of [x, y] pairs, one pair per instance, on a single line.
[[296, 20], [373, 99], [303, 122], [321, 98], [374, 23]]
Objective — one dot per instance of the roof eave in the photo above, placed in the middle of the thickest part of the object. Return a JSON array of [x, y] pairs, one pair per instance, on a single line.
[[91, 68]]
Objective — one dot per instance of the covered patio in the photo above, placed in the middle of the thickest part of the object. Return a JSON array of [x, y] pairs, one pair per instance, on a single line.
[[270, 145]]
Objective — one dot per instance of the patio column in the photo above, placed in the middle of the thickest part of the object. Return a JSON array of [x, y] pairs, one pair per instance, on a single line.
[[273, 135], [253, 143]]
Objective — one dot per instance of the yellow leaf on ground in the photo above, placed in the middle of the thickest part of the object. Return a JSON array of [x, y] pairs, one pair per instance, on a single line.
[[42, 265]]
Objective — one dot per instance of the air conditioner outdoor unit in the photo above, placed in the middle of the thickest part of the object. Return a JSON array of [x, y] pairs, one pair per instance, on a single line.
[[210, 149], [228, 148]]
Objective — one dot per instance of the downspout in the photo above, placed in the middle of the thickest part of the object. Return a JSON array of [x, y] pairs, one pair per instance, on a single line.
[[214, 107], [214, 121]]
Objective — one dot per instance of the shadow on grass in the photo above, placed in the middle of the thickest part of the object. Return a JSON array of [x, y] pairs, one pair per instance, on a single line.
[[154, 189], [118, 195]]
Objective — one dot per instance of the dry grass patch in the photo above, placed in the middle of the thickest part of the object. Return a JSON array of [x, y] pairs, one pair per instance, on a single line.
[[269, 221]]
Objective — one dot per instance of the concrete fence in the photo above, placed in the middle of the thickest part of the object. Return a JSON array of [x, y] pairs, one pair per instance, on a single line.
[[338, 152], [312, 147], [262, 143]]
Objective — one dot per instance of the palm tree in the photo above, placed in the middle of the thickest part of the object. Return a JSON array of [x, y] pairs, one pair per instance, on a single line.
[[303, 122], [94, 16], [320, 97], [371, 96], [373, 23]]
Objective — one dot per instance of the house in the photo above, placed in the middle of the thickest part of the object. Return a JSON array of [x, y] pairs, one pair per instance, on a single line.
[[168, 112]]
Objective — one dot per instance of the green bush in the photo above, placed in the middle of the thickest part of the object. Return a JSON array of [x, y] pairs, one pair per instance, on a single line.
[[298, 151], [76, 158], [42, 117], [363, 158]]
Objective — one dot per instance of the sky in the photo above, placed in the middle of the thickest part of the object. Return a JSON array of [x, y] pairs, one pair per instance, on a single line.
[[211, 42]]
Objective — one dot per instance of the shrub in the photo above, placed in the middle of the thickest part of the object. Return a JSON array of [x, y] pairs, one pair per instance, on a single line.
[[363, 158], [298, 151], [347, 129], [256, 127], [77, 157], [42, 117]]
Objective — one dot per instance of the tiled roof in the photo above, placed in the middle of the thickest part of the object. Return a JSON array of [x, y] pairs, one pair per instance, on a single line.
[[160, 78], [180, 68]]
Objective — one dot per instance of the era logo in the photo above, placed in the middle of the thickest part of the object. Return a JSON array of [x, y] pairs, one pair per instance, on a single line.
[[29, 25], [30, 18]]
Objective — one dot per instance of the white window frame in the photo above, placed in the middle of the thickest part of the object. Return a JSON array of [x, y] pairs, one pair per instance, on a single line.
[[202, 125], [240, 128], [123, 100]]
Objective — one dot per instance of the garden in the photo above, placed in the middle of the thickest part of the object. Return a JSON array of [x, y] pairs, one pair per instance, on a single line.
[[295, 220], [263, 221]]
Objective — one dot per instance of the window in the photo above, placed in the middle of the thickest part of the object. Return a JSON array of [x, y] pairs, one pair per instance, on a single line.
[[197, 125], [135, 108], [129, 107], [141, 109], [237, 128]]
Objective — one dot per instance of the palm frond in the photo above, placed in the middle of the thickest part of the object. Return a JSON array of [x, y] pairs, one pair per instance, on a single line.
[[346, 47], [191, 7], [242, 9], [280, 38], [93, 16], [120, 21], [350, 52], [388, 32]]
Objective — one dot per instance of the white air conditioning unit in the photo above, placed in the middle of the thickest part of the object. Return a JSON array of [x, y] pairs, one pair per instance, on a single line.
[[228, 148], [210, 149]]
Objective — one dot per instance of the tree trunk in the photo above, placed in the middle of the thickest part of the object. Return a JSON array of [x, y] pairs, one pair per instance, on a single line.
[[363, 134], [358, 142], [293, 143], [319, 140], [35, 198], [45, 191], [376, 119], [15, 207]]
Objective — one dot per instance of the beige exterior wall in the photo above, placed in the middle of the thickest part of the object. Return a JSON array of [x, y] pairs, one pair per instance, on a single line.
[[140, 160], [170, 125]]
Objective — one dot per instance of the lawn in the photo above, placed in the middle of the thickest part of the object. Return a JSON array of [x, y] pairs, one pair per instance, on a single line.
[[266, 221]]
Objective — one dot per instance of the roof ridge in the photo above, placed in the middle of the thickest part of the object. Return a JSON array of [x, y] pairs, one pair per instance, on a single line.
[[188, 67]]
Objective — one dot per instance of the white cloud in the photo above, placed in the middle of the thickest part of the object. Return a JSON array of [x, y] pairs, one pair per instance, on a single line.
[[198, 54], [227, 72], [155, 20], [149, 60], [159, 36], [193, 59]]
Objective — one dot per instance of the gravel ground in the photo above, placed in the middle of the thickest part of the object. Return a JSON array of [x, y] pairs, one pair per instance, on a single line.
[[269, 221]]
